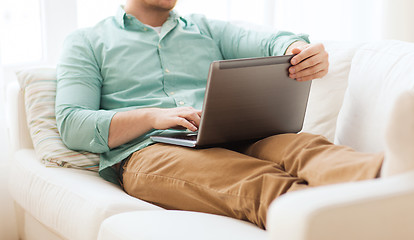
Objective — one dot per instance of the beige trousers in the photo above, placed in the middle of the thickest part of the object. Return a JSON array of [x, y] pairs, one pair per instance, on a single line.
[[242, 184]]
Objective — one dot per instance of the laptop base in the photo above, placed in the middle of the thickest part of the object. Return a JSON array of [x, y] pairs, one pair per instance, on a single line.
[[181, 139]]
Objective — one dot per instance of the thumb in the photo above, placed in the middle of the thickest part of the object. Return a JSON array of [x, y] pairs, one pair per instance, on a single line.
[[297, 50]]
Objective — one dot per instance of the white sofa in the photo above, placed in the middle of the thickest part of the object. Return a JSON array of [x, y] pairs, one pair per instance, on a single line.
[[62, 203]]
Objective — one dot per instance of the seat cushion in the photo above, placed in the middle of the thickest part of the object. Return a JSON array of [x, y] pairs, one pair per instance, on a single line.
[[183, 225], [380, 71], [71, 202]]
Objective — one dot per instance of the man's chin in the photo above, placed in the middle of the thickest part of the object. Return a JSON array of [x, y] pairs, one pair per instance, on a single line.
[[167, 5], [163, 8], [167, 8], [160, 5]]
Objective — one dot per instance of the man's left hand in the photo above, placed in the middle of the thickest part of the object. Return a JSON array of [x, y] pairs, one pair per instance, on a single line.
[[310, 62]]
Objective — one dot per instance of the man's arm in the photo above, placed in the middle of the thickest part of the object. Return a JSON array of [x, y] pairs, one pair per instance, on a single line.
[[236, 42], [81, 122]]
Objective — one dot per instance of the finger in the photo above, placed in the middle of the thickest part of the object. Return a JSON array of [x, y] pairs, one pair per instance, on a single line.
[[185, 123], [309, 62], [310, 71], [191, 116], [188, 110], [314, 76], [195, 118], [296, 50], [198, 112], [308, 51]]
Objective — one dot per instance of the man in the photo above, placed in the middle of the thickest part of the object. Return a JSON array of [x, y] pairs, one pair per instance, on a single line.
[[144, 71]]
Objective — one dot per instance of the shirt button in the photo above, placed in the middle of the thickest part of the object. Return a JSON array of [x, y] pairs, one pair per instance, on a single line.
[[167, 71], [159, 45], [145, 29], [172, 93], [181, 103], [129, 17]]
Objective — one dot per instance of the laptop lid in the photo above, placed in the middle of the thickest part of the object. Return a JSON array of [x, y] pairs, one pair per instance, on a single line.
[[251, 99]]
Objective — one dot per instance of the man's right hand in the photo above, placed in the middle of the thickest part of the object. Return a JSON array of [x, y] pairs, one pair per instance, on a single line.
[[126, 126], [182, 117]]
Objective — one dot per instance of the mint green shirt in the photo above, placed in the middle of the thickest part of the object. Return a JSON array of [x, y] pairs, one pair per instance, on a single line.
[[121, 64]]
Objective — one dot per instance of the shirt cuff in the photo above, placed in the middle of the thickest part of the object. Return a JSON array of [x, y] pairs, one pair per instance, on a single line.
[[288, 40], [103, 121]]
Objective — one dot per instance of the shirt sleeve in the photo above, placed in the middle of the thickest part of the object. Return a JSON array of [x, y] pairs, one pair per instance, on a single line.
[[81, 122], [236, 41]]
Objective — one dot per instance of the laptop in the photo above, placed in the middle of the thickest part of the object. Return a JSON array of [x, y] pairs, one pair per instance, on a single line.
[[246, 99]]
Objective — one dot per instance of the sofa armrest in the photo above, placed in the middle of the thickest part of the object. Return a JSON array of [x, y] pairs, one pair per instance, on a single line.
[[70, 202], [375, 209], [18, 133]]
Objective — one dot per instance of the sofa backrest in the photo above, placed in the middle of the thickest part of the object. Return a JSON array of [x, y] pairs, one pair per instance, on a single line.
[[380, 71], [327, 93], [324, 104]]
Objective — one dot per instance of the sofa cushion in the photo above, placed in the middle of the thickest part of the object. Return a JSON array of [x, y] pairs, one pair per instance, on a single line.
[[380, 71], [71, 202], [183, 225], [39, 86], [327, 93]]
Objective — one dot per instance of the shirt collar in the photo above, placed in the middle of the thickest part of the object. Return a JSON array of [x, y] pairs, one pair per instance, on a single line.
[[175, 16], [121, 16]]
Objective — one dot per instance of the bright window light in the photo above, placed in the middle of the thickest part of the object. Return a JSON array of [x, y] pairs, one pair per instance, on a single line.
[[245, 11], [22, 28], [90, 12], [228, 10], [339, 20], [216, 9], [20, 35]]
